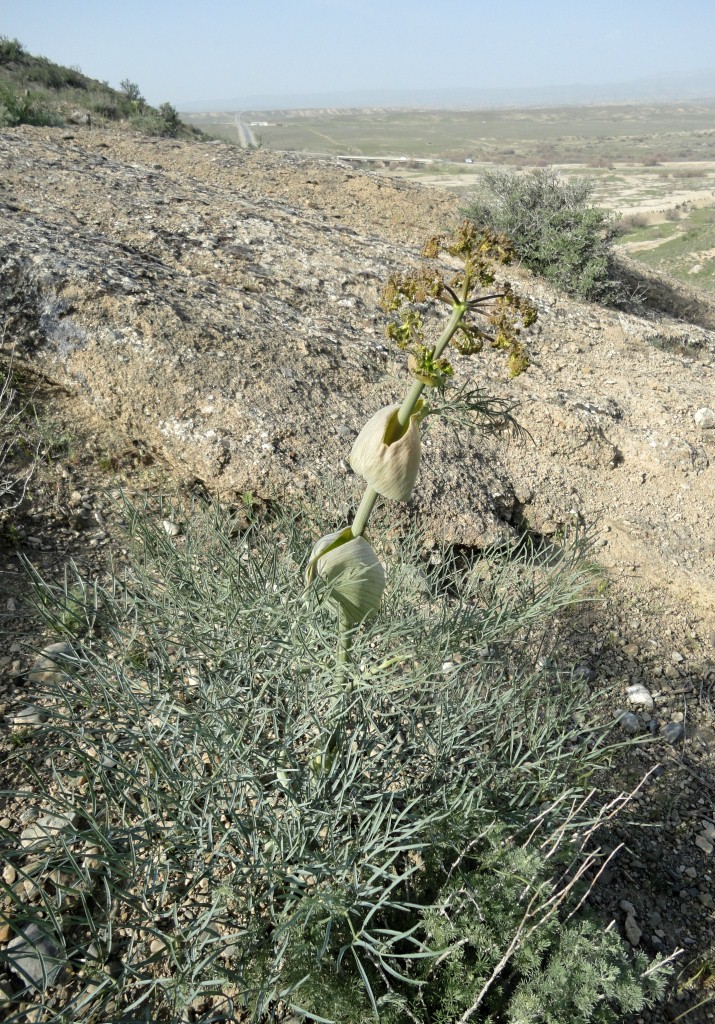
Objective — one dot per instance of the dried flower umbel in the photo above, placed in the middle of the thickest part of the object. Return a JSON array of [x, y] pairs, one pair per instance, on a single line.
[[387, 451]]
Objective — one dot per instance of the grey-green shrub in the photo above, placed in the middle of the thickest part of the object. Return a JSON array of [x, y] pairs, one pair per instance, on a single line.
[[19, 106], [554, 228], [180, 750], [10, 50]]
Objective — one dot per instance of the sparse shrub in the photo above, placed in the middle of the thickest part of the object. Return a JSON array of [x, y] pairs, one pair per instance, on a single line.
[[333, 847], [677, 344], [131, 91], [18, 455], [631, 222], [10, 50], [554, 228], [673, 213], [53, 76], [19, 106], [106, 104], [170, 116]]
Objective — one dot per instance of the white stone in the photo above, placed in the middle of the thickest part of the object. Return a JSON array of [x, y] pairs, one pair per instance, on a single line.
[[639, 696], [705, 419]]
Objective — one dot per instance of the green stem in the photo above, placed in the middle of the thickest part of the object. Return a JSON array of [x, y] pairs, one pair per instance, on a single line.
[[363, 513], [344, 645], [412, 397]]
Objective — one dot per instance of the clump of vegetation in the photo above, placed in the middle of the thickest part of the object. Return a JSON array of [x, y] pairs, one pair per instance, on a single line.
[[36, 91], [355, 799], [10, 50], [554, 228], [24, 107], [18, 454]]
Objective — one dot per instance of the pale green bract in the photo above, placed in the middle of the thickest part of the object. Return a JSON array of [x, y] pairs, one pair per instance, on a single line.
[[389, 466], [353, 572]]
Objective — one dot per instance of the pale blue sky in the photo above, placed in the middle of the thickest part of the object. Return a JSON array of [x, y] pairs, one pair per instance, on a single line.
[[184, 50]]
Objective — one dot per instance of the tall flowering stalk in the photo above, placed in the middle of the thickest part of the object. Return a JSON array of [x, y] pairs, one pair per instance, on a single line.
[[387, 451]]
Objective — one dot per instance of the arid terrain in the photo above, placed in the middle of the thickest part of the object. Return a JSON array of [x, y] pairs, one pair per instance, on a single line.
[[200, 316]]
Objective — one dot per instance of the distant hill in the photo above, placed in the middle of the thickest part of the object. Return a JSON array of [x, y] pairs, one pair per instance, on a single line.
[[699, 85], [34, 90]]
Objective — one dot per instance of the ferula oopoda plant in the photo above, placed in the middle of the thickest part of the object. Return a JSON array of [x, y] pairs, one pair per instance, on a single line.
[[387, 452]]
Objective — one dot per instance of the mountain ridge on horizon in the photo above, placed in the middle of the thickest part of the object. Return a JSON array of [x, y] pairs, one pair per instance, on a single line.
[[695, 86]]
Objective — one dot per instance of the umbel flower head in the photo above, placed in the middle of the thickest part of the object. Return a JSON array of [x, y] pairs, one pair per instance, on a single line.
[[352, 570], [387, 455]]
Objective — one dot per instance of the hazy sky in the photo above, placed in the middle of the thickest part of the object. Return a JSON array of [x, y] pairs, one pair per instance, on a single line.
[[185, 50]]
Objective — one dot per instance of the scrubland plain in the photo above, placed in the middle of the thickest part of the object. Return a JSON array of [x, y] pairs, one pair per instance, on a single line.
[[654, 164]]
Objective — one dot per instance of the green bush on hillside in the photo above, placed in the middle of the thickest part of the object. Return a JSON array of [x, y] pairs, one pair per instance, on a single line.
[[553, 227], [24, 107], [10, 49]]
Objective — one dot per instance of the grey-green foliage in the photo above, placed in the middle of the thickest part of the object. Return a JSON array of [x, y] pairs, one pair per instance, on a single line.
[[560, 973], [132, 92], [10, 49], [23, 106], [288, 839], [554, 228]]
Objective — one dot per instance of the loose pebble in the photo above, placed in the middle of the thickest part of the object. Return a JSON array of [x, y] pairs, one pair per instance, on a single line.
[[639, 696], [29, 716], [35, 958], [633, 932], [49, 666], [704, 844], [629, 722], [673, 732], [705, 419]]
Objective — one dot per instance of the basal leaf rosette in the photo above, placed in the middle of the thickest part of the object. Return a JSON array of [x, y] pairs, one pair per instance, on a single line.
[[352, 571], [387, 454]]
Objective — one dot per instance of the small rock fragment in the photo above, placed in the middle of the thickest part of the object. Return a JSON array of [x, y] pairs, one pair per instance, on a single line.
[[48, 667], [673, 732], [29, 716], [639, 696], [35, 958], [704, 844], [633, 932], [705, 419], [172, 530], [628, 721], [34, 837]]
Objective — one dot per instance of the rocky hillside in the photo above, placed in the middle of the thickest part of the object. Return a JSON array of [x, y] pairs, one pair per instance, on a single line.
[[36, 91], [217, 308], [220, 307]]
